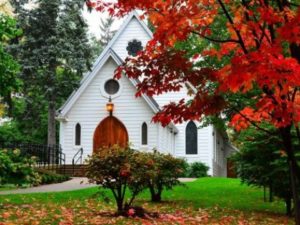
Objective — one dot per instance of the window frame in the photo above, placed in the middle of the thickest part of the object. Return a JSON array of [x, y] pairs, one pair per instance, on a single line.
[[80, 135], [105, 94], [105, 87], [142, 134], [196, 135]]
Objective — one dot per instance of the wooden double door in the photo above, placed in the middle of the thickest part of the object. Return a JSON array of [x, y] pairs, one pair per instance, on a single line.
[[109, 132]]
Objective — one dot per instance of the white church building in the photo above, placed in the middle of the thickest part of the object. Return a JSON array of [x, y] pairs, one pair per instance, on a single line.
[[85, 122]]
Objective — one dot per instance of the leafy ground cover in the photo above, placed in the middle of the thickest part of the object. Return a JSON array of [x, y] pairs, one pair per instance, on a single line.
[[205, 201]]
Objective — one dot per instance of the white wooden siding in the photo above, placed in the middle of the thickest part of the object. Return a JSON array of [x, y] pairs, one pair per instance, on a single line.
[[89, 111], [134, 30], [205, 147], [205, 140], [219, 157]]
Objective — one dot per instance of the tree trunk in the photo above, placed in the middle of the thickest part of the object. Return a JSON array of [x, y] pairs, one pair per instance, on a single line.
[[120, 206], [155, 196], [288, 205], [51, 121], [293, 167], [271, 192]]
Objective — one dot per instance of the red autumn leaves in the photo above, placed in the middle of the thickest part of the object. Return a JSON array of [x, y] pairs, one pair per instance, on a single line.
[[262, 40]]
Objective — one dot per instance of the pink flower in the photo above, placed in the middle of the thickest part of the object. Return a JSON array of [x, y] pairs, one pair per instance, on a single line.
[[131, 212]]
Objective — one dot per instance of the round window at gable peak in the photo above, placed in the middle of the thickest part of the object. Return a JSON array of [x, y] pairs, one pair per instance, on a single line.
[[112, 87]]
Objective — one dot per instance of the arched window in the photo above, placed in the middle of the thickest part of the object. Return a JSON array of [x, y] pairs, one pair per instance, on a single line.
[[191, 139], [144, 134], [77, 134]]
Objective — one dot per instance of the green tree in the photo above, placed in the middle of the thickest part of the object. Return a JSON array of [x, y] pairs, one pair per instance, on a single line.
[[106, 30], [9, 68], [96, 47], [98, 44], [54, 54], [262, 163]]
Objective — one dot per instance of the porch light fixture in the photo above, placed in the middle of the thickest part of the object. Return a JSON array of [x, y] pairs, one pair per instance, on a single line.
[[110, 107]]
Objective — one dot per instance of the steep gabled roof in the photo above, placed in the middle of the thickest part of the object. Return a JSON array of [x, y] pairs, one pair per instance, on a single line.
[[121, 30], [107, 53]]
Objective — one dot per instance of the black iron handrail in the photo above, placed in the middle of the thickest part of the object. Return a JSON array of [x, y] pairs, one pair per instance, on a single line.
[[47, 156], [75, 161], [62, 160]]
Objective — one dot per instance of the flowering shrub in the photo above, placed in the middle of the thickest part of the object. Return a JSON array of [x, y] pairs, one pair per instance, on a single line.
[[160, 172], [122, 169], [117, 169], [17, 169]]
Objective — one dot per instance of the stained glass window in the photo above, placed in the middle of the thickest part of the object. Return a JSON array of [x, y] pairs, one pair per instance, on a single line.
[[78, 135], [134, 47], [191, 140], [144, 134]]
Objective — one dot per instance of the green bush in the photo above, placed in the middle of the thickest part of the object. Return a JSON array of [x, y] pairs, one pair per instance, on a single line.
[[48, 177], [197, 170], [186, 167], [10, 133], [17, 169]]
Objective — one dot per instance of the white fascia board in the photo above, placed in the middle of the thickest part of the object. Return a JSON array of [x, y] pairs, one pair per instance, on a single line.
[[75, 96], [61, 119]]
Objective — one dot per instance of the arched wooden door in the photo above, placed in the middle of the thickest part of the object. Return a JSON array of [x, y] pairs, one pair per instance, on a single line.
[[109, 132]]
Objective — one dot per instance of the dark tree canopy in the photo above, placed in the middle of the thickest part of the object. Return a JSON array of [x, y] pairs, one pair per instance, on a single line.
[[54, 53]]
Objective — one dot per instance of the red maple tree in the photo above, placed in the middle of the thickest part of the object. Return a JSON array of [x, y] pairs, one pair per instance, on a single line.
[[263, 42]]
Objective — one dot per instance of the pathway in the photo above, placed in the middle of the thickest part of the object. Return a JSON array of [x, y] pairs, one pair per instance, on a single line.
[[76, 183]]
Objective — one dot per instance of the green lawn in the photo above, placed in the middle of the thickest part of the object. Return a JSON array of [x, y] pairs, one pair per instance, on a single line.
[[205, 192], [223, 192], [218, 196]]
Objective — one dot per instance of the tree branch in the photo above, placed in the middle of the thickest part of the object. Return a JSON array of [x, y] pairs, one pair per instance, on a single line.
[[215, 40], [294, 94], [262, 28], [253, 123], [264, 33], [241, 41]]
